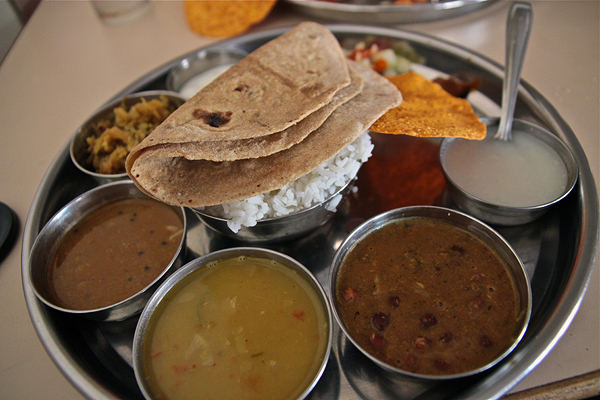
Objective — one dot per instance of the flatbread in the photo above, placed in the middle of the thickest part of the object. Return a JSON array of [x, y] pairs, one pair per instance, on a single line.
[[230, 150], [183, 182], [271, 89], [427, 110]]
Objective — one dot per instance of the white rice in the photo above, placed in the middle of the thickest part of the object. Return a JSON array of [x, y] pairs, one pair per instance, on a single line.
[[307, 191]]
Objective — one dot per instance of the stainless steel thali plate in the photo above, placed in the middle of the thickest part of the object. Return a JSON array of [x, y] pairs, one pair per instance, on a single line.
[[386, 12], [557, 250]]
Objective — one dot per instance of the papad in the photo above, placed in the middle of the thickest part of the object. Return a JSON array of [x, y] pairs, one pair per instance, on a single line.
[[183, 182], [427, 110], [224, 18]]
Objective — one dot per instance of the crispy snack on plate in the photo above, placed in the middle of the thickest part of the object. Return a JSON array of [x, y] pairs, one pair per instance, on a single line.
[[427, 110], [224, 18]]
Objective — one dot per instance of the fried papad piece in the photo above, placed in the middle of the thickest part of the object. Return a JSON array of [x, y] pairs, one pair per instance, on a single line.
[[224, 18], [230, 150], [427, 110], [183, 182]]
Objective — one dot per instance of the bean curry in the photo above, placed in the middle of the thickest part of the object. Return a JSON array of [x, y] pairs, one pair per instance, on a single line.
[[427, 297]]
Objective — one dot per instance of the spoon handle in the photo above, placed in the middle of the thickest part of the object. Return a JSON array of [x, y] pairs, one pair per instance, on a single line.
[[518, 28]]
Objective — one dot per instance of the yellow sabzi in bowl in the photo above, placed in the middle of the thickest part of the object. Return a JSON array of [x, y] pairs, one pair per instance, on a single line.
[[240, 323]]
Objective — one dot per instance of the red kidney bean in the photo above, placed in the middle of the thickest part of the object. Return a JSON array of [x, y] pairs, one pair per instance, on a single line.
[[458, 248], [441, 364], [380, 321], [350, 295], [394, 301], [422, 343], [412, 361], [428, 320], [377, 341], [446, 338]]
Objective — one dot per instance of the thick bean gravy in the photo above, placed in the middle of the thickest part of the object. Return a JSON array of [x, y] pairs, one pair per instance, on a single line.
[[427, 297]]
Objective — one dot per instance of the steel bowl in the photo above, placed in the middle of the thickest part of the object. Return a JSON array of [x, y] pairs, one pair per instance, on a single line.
[[500, 214], [283, 228], [457, 219], [201, 62], [78, 146], [173, 283], [65, 219]]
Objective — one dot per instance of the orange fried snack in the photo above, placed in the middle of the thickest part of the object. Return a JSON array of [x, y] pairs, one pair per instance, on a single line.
[[427, 110], [224, 18]]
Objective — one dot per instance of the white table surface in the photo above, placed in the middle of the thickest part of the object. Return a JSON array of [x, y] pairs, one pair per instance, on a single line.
[[66, 63]]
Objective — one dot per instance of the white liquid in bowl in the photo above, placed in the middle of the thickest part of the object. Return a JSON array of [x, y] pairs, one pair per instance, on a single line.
[[523, 172], [196, 83]]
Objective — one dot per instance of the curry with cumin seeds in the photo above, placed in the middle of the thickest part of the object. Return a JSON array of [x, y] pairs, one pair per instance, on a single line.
[[113, 253], [427, 297]]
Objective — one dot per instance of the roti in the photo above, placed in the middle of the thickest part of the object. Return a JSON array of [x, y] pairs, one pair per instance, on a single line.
[[229, 150], [195, 183], [427, 110], [271, 89]]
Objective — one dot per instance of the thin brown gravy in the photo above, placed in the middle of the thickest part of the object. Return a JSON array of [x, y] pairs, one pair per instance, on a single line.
[[427, 297], [113, 253]]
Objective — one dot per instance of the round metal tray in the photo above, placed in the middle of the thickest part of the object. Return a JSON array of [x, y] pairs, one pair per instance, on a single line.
[[557, 250], [379, 12]]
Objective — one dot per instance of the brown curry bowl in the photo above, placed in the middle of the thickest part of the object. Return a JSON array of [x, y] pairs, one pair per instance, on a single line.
[[80, 155], [130, 301], [243, 317], [430, 293]]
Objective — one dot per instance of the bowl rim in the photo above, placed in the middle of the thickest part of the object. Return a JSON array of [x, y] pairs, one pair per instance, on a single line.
[[100, 111], [202, 55], [201, 262], [417, 212], [540, 133], [62, 214]]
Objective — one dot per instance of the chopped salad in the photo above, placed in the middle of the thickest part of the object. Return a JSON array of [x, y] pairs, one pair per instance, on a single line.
[[386, 56]]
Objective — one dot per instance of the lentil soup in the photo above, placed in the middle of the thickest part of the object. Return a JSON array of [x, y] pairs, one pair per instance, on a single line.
[[113, 253], [238, 328], [427, 297]]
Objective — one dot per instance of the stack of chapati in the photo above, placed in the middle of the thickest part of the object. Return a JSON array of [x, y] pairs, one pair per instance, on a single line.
[[279, 113]]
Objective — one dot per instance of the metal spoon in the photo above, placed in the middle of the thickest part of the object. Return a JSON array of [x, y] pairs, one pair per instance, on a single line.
[[518, 28], [499, 131]]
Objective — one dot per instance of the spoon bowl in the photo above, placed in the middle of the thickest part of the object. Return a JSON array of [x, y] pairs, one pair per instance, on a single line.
[[478, 173], [506, 180]]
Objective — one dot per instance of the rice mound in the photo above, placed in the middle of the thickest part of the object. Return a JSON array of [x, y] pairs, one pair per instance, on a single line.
[[309, 190]]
